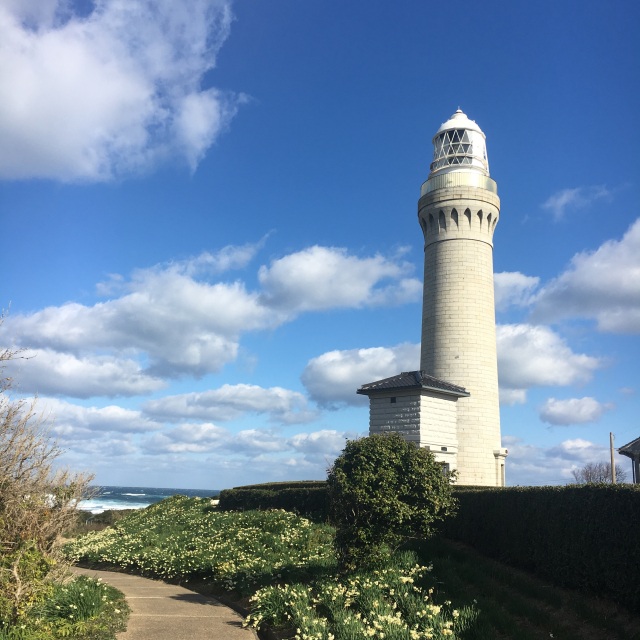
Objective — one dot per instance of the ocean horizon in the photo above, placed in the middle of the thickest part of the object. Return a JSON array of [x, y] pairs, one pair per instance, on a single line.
[[109, 497]]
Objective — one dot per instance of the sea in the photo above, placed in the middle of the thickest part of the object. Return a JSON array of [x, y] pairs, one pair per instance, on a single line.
[[107, 498]]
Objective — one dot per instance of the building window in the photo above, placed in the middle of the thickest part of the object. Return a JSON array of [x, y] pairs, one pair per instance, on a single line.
[[445, 468], [393, 400], [443, 448]]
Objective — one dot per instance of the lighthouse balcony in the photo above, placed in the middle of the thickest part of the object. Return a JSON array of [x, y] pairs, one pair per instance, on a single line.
[[458, 179]]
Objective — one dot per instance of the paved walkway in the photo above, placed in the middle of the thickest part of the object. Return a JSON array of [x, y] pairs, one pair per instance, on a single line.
[[161, 611]]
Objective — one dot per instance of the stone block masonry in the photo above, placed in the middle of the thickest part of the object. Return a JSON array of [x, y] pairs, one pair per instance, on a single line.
[[458, 322]]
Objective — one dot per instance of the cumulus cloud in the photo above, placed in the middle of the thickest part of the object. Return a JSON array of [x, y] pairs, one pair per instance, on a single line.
[[603, 284], [572, 411], [263, 447], [574, 199], [529, 464], [578, 451], [231, 402], [188, 438], [333, 377], [512, 396], [536, 356], [326, 444], [116, 90], [181, 325], [176, 319], [48, 372], [321, 278], [71, 422], [513, 289]]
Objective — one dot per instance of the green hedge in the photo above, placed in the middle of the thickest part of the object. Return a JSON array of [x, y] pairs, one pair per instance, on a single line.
[[306, 498], [578, 536]]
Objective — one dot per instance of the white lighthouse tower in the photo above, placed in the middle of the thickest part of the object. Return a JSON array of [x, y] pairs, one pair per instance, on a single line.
[[451, 404]]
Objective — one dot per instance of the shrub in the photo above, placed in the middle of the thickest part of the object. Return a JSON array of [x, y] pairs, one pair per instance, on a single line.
[[37, 500], [84, 609], [382, 492], [185, 538], [306, 498], [579, 536]]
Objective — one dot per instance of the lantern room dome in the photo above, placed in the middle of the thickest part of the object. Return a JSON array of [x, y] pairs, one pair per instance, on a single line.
[[459, 145]]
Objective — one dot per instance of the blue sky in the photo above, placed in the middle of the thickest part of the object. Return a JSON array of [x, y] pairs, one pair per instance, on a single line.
[[210, 236]]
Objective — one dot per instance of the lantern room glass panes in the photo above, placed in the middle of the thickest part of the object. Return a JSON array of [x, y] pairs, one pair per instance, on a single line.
[[453, 147]]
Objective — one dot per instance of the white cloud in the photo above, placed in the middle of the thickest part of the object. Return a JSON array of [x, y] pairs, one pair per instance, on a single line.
[[603, 284], [48, 372], [578, 451], [171, 320], [572, 411], [179, 324], [573, 199], [321, 278], [513, 289], [266, 449], [188, 438], [255, 442], [92, 97], [512, 396], [325, 444], [536, 356], [528, 464], [333, 377], [231, 402], [225, 259], [71, 422]]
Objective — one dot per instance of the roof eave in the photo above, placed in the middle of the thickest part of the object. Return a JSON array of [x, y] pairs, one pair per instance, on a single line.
[[391, 390]]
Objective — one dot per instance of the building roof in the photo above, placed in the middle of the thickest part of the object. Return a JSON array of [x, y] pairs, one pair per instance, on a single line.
[[631, 449], [459, 120], [412, 380]]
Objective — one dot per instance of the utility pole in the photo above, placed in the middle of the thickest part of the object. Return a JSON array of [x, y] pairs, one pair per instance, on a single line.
[[613, 465]]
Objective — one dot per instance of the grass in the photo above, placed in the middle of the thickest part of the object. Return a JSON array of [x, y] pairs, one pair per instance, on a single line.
[[284, 565], [189, 540], [514, 604]]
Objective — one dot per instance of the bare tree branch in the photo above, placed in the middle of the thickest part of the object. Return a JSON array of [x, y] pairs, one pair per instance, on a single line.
[[597, 472], [37, 500]]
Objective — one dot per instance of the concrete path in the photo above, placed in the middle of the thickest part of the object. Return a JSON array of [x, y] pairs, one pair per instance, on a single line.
[[161, 611]]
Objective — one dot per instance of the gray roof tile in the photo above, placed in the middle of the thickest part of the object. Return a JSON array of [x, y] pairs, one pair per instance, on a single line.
[[631, 449], [412, 380]]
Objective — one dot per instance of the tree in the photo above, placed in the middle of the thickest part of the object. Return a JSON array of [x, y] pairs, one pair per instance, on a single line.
[[37, 500], [384, 491], [597, 472]]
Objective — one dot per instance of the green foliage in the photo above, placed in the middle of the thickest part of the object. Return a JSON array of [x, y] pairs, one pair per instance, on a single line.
[[382, 492], [23, 568], [84, 609], [306, 498], [85, 521], [394, 602], [286, 561], [186, 538], [579, 536], [37, 500]]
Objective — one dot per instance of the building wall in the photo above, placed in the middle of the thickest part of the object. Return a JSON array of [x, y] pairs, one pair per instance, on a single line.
[[427, 419], [458, 323], [401, 417]]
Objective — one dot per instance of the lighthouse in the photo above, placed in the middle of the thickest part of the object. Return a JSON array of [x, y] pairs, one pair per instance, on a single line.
[[451, 405]]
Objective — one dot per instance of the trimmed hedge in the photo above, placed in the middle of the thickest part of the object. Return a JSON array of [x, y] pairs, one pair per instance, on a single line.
[[583, 537], [578, 536], [307, 498]]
